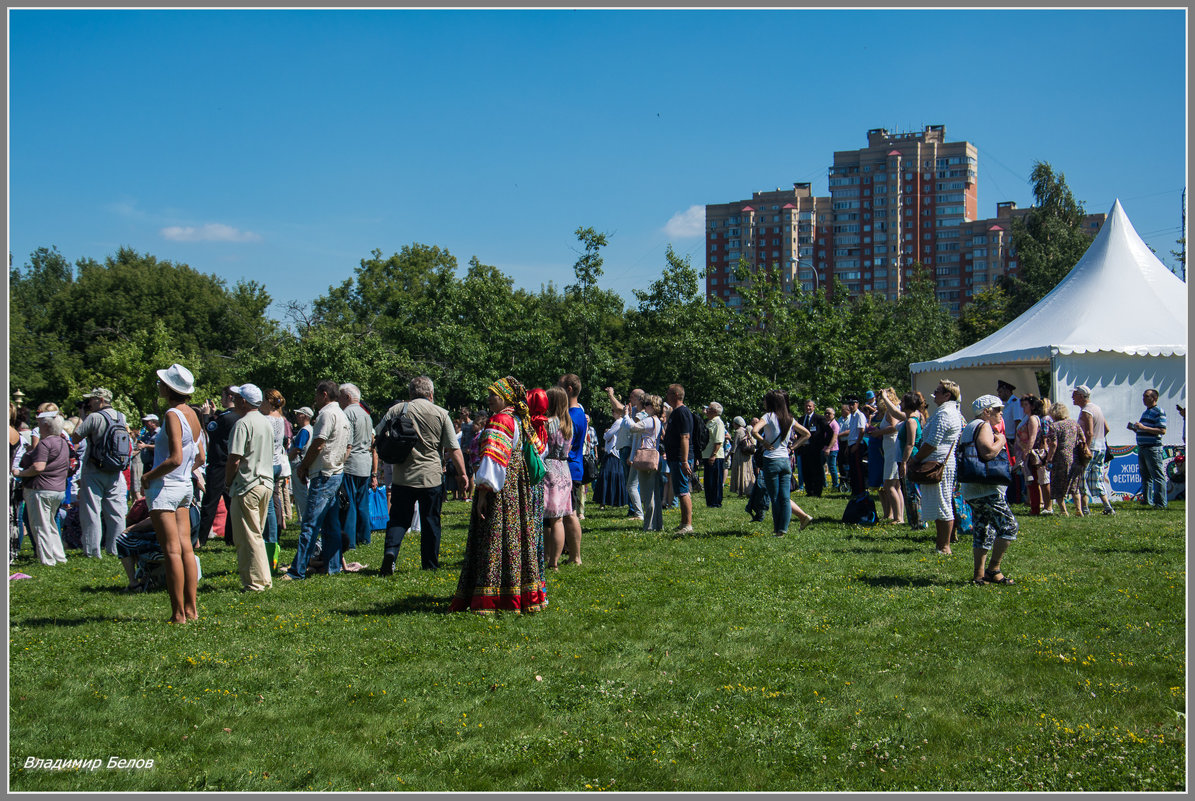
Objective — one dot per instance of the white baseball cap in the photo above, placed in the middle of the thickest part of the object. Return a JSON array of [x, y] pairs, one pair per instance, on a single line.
[[250, 393]]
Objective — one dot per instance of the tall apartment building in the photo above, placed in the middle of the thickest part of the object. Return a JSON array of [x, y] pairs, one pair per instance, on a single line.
[[777, 229], [986, 253], [906, 198], [902, 199]]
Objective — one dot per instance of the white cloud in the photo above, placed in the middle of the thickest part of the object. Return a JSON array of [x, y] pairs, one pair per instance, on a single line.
[[687, 223], [212, 232]]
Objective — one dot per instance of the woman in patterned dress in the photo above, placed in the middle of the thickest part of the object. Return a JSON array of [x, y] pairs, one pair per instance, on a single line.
[[1066, 477], [558, 483], [502, 570]]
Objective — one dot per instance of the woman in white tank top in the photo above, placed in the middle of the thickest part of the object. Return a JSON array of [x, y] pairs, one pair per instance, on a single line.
[[177, 451]]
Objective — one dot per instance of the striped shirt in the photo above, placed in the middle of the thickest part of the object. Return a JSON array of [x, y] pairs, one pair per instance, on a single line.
[[1153, 417]]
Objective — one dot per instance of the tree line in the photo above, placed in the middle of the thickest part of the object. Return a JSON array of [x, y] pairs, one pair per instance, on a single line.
[[419, 312]]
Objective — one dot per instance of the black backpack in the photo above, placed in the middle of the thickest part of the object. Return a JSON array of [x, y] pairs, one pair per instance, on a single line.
[[860, 510], [700, 436], [112, 452], [397, 438]]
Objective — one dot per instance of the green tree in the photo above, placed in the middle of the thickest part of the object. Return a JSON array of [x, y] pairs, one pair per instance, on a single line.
[[70, 324], [592, 323], [1048, 241], [679, 337], [986, 314], [918, 328]]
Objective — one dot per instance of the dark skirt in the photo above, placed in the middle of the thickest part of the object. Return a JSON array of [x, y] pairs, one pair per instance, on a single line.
[[610, 489]]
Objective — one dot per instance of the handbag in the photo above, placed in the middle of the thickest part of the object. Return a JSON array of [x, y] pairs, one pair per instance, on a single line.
[[928, 472], [536, 470], [647, 455], [1083, 452], [974, 470], [589, 468]]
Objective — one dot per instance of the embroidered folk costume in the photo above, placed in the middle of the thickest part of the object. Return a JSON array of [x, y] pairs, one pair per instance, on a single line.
[[504, 553]]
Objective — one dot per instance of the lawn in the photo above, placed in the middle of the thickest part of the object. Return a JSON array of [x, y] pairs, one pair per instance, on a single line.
[[839, 658]]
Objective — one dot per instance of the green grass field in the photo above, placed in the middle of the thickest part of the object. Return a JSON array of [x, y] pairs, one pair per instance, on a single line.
[[839, 658]]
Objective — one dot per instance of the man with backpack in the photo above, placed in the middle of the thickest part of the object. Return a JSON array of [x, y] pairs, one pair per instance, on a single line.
[[411, 437], [103, 500]]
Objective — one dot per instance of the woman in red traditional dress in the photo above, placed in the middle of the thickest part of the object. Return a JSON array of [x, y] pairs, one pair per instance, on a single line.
[[503, 568]]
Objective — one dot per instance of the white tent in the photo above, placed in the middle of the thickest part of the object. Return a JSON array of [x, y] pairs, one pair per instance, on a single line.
[[1117, 322]]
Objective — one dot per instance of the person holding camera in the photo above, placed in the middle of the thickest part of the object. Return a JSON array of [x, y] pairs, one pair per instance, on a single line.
[[1150, 429]]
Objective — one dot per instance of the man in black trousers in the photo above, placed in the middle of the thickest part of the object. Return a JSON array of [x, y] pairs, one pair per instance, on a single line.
[[218, 430], [810, 453]]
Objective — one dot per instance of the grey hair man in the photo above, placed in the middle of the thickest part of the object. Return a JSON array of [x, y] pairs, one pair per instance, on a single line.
[[103, 501], [711, 454], [360, 473], [418, 478], [323, 468], [1095, 431]]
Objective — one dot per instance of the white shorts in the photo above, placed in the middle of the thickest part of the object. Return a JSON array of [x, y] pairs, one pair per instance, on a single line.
[[167, 498]]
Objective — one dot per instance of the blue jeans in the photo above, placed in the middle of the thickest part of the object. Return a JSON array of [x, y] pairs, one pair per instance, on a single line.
[[321, 501], [352, 524], [271, 533], [777, 481], [800, 474], [831, 460], [1153, 475]]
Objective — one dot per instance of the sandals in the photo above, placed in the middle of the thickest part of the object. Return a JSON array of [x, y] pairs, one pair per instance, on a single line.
[[996, 577], [979, 582]]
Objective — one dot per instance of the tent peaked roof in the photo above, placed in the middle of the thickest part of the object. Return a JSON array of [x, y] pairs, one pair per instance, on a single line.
[[1118, 298]]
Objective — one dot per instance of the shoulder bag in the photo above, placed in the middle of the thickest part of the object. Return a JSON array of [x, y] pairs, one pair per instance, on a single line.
[[974, 470], [928, 472], [536, 470]]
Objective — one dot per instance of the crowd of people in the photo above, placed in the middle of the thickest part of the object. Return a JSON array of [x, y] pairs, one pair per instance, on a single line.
[[231, 468]]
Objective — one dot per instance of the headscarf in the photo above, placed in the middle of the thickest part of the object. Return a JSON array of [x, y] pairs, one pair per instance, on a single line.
[[537, 403], [512, 394]]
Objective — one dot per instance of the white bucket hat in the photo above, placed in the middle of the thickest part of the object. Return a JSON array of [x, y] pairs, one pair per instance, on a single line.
[[178, 378]]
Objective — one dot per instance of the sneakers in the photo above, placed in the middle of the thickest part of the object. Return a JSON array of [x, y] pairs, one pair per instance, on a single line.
[[683, 530], [387, 568], [1109, 511]]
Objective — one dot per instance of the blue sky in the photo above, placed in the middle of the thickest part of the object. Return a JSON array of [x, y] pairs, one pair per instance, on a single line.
[[285, 146]]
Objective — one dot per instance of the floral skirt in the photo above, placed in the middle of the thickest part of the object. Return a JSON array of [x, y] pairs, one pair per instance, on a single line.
[[557, 489], [504, 554]]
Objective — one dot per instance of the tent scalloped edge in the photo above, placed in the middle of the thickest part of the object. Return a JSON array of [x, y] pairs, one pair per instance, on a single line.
[[991, 359]]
